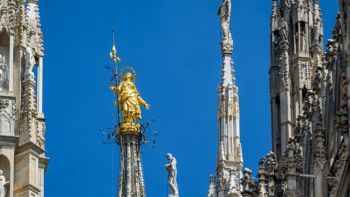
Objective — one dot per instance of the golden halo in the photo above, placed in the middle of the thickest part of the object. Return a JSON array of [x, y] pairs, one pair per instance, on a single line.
[[127, 68]]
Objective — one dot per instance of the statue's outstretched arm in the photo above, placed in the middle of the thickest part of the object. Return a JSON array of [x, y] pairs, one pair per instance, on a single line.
[[142, 102]]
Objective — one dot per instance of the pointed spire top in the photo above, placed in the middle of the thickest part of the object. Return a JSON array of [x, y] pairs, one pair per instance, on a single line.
[[317, 11], [212, 179], [274, 7], [212, 187], [317, 5]]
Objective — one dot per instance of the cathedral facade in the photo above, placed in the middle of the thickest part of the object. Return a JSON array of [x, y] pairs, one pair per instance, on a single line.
[[309, 91], [22, 122], [309, 94]]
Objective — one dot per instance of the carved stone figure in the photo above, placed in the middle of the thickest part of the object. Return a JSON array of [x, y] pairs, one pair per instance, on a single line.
[[284, 30], [30, 61], [129, 101], [172, 175], [247, 181], [3, 185], [225, 18], [303, 41], [4, 82], [287, 4]]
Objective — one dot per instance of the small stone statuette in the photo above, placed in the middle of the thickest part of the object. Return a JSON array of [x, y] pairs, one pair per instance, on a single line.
[[3, 185], [172, 176], [225, 18], [30, 61], [4, 82], [284, 30]]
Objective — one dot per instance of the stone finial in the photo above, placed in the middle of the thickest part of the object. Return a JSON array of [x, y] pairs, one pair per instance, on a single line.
[[248, 183], [267, 174], [34, 26], [291, 166], [320, 152], [262, 187], [212, 187], [274, 7]]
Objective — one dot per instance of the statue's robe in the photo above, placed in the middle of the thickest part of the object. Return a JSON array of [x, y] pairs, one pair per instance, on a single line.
[[130, 100]]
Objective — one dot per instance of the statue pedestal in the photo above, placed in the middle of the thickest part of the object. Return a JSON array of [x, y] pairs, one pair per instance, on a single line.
[[172, 195]]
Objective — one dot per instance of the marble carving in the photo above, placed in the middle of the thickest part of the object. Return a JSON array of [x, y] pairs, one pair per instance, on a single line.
[[172, 175]]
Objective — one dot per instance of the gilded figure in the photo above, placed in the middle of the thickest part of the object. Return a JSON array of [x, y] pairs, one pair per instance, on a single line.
[[129, 101]]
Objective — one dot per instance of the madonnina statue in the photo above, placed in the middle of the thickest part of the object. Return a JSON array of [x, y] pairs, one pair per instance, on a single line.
[[129, 101], [172, 175], [3, 184]]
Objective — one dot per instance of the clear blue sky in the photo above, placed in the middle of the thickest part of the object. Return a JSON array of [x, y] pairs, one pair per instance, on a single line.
[[174, 46]]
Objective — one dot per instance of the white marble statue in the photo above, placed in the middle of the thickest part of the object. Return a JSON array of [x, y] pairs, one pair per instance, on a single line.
[[3, 185], [303, 41], [30, 61], [225, 18], [172, 175], [3, 74], [284, 30]]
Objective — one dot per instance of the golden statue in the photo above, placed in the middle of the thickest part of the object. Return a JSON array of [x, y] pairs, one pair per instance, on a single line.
[[129, 101]]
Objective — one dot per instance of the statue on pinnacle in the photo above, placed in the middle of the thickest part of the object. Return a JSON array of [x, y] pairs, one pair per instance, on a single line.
[[225, 18], [129, 101], [172, 175]]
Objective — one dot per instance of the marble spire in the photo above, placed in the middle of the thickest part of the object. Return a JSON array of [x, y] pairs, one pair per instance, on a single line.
[[228, 105], [229, 164]]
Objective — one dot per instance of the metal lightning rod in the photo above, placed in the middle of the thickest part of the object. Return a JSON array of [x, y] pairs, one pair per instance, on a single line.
[[116, 60]]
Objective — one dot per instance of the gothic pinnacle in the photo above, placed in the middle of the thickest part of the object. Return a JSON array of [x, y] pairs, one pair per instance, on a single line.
[[274, 7], [317, 6], [317, 11]]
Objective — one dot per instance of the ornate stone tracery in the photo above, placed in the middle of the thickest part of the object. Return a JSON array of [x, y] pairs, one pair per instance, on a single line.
[[310, 107], [22, 123]]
